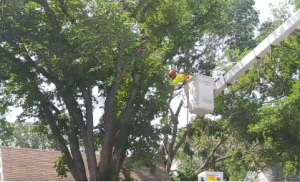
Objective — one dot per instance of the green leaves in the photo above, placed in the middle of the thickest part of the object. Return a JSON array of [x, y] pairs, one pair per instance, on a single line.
[[6, 132], [60, 166]]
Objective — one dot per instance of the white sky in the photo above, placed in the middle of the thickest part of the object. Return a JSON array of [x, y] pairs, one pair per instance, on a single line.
[[261, 5]]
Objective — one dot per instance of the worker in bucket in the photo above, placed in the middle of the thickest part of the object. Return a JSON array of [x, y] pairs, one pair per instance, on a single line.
[[180, 78]]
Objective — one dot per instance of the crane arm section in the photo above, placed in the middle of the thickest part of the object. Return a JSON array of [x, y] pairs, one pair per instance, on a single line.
[[258, 52]]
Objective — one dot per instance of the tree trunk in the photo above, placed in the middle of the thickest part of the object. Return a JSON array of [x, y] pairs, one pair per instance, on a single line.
[[120, 149], [105, 168], [77, 172], [112, 160], [174, 121]]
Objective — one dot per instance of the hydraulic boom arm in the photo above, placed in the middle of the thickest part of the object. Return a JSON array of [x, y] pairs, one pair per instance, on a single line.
[[262, 49]]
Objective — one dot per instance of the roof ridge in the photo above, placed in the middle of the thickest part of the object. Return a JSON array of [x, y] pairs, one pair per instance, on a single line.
[[25, 148]]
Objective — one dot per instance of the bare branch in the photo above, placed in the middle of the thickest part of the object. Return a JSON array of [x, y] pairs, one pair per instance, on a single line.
[[222, 158], [182, 139], [174, 120], [207, 161], [179, 108]]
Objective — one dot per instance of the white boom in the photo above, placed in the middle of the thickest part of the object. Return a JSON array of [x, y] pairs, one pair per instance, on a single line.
[[262, 49], [200, 90]]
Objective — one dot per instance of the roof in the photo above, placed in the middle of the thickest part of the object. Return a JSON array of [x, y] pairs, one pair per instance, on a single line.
[[23, 164]]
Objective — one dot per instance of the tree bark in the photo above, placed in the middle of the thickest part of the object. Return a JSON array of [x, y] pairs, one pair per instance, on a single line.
[[78, 176], [182, 139], [104, 168], [121, 144], [90, 149], [72, 133], [174, 120]]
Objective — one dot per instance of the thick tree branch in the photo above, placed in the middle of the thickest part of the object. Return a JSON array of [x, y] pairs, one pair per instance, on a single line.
[[207, 161], [126, 116], [162, 152], [182, 139], [88, 102], [122, 138], [111, 125], [174, 120], [56, 133], [89, 142], [222, 158], [72, 132], [41, 70], [77, 116], [119, 158], [110, 131]]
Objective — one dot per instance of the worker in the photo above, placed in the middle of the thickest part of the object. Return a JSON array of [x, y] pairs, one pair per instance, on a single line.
[[179, 78]]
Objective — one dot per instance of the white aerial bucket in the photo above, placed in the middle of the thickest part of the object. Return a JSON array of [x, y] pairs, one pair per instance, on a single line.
[[199, 91], [210, 176]]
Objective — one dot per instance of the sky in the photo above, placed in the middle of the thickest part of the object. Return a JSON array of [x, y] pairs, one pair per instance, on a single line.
[[261, 5]]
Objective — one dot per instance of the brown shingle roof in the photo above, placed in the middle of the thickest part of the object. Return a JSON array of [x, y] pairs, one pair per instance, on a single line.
[[22, 164]]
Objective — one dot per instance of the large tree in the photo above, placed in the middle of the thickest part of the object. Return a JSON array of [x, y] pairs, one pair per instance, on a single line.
[[61, 60]]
